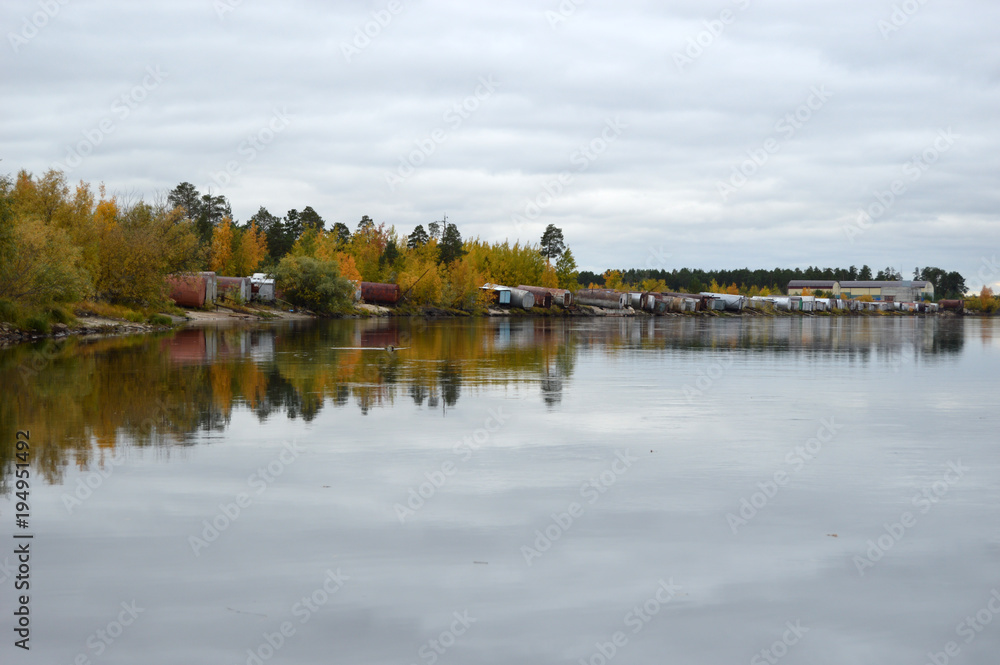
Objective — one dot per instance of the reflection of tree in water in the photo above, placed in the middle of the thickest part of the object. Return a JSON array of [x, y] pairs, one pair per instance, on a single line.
[[450, 381], [81, 396]]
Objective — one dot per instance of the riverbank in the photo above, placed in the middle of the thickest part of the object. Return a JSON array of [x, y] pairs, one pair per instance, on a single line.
[[88, 324]]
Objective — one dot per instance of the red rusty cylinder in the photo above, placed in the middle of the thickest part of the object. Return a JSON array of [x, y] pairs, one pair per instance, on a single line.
[[383, 293], [187, 290]]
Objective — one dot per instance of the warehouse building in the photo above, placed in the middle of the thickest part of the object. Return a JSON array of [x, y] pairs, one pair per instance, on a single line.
[[894, 291], [829, 287]]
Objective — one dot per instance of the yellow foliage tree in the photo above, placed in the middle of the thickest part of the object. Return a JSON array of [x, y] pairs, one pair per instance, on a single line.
[[222, 245], [613, 279], [733, 290], [807, 291], [550, 279], [714, 287]]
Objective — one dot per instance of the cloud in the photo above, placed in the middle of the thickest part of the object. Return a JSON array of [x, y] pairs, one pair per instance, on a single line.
[[352, 118]]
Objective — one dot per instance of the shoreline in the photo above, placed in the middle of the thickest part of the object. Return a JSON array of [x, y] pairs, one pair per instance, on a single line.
[[92, 327]]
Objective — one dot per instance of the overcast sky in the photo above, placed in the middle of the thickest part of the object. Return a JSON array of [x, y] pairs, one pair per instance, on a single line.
[[703, 134]]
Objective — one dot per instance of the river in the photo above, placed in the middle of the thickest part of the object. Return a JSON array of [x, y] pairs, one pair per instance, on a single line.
[[676, 490]]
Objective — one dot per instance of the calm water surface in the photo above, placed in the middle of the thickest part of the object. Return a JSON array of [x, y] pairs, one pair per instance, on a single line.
[[675, 490]]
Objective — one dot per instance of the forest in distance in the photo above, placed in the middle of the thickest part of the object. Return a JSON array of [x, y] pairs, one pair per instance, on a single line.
[[65, 247]]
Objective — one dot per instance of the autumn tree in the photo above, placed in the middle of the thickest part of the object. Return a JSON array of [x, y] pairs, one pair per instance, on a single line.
[[566, 271]]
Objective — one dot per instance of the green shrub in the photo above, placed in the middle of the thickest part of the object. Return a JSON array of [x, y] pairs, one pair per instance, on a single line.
[[38, 323], [60, 314], [314, 284], [160, 320], [133, 316], [9, 312]]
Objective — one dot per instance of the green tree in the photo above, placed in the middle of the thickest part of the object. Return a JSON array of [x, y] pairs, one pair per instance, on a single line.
[[865, 274], [211, 211], [566, 270], [274, 233], [552, 242], [341, 233], [451, 245], [418, 238], [314, 284], [311, 220], [434, 229], [186, 196]]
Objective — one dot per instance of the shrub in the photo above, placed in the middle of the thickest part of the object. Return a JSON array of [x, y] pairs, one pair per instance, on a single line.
[[8, 311], [314, 284], [38, 323], [160, 320]]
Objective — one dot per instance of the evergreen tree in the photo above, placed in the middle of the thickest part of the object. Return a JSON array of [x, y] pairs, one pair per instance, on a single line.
[[418, 238], [451, 245], [552, 242]]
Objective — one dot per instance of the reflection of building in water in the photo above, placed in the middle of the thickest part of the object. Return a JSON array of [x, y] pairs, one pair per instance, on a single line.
[[209, 344]]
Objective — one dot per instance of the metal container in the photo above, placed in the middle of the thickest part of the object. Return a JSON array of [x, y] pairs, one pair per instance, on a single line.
[[211, 287], [381, 293], [498, 295], [951, 305], [521, 298], [543, 296], [187, 290], [234, 288], [602, 298]]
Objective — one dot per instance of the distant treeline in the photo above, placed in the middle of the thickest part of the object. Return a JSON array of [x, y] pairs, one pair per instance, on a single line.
[[946, 284]]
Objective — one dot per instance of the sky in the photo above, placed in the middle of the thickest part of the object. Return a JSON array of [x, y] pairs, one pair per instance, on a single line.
[[739, 133]]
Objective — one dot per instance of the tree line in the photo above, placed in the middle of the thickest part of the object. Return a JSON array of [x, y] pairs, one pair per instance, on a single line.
[[743, 280]]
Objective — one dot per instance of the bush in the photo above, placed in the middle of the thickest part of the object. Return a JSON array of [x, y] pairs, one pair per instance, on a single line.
[[38, 323], [134, 317], [314, 284], [160, 320], [8, 311], [61, 315]]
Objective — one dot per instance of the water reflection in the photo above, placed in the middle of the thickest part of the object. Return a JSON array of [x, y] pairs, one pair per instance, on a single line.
[[85, 396]]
